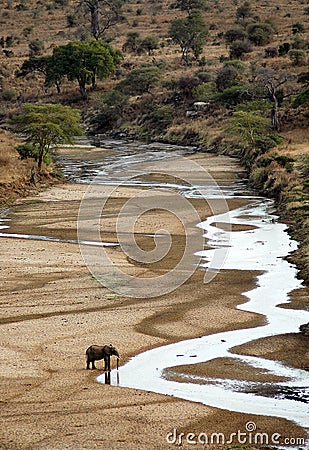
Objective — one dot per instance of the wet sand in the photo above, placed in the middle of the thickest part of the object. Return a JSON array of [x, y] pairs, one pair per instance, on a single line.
[[52, 309]]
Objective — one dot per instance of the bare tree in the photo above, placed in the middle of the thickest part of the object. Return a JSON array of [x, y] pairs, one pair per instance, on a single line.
[[278, 87], [103, 14]]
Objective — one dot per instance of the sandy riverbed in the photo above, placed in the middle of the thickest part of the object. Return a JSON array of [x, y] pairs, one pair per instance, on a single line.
[[52, 309]]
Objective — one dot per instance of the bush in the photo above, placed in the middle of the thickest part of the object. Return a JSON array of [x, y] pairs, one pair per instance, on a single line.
[[299, 43], [27, 151], [229, 75], [36, 47], [301, 99], [235, 34], [139, 81], [205, 77], [284, 49], [238, 49], [298, 28], [236, 94], [260, 33], [298, 57], [262, 106], [303, 165], [266, 142], [8, 95], [258, 177], [162, 116], [285, 161], [271, 52], [243, 11], [204, 92]]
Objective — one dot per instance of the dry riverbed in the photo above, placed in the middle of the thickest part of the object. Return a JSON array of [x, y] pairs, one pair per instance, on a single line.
[[52, 309]]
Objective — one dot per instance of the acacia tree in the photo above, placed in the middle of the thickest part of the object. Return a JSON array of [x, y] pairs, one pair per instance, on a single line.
[[139, 81], [189, 33], [82, 61], [248, 126], [103, 14], [47, 126], [44, 65]]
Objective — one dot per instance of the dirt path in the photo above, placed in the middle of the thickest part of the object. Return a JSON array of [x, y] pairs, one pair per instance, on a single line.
[[52, 309]]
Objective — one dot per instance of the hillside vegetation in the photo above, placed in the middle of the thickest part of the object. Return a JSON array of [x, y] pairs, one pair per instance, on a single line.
[[227, 76]]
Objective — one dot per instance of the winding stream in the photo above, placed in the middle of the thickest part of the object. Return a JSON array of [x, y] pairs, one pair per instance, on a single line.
[[260, 248]]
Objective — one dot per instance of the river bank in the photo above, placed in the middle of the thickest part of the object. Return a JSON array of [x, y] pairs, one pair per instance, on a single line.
[[53, 309]]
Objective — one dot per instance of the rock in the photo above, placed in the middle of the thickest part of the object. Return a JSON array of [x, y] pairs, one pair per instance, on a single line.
[[304, 329]]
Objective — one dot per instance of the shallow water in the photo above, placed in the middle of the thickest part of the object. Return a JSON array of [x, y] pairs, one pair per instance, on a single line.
[[262, 248]]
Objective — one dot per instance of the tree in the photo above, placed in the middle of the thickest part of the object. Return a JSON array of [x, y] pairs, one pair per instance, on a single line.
[[132, 42], [298, 57], [244, 11], [238, 49], [139, 81], [248, 125], [189, 33], [260, 33], [235, 34], [47, 126], [103, 14], [190, 5], [148, 44], [298, 28], [273, 84], [229, 75], [83, 61], [45, 66]]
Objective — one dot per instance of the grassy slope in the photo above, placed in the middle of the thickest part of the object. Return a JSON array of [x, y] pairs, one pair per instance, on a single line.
[[50, 26]]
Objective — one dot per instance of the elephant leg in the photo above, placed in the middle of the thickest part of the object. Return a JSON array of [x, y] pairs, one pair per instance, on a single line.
[[93, 365], [88, 365]]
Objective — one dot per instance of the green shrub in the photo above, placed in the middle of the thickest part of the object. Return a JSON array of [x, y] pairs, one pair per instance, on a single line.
[[27, 30], [204, 92], [298, 57], [259, 105], [284, 48], [205, 77], [238, 94], [235, 34], [36, 47], [301, 99], [8, 94], [258, 177], [303, 165], [162, 115], [260, 33], [266, 142], [238, 49], [285, 161], [298, 28], [27, 151]]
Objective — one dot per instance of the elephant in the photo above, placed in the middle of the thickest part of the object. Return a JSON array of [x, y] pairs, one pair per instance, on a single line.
[[97, 352]]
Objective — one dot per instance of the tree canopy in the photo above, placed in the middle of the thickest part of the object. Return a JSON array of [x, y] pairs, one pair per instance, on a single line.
[[190, 5], [46, 126], [189, 33], [84, 62], [139, 81]]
